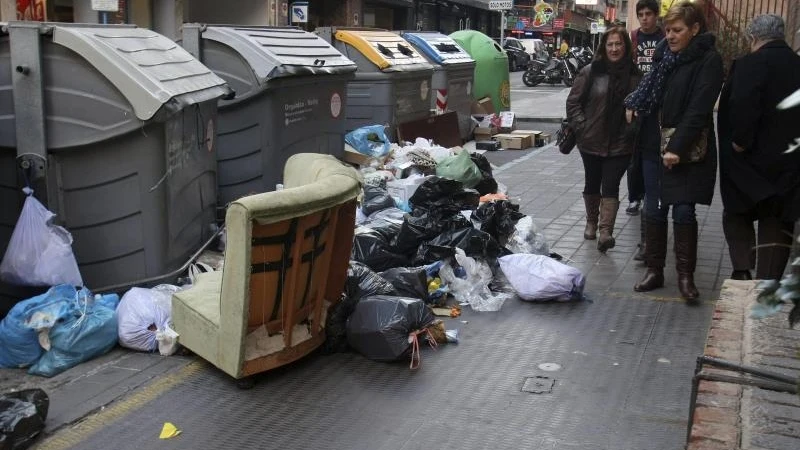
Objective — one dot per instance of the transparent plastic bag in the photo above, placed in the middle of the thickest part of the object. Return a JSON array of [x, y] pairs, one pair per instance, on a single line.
[[527, 238], [145, 314], [39, 252], [474, 289]]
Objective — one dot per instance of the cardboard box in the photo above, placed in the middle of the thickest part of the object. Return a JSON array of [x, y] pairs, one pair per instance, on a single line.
[[404, 188], [483, 106], [511, 141], [484, 133], [508, 121], [526, 132], [353, 157]]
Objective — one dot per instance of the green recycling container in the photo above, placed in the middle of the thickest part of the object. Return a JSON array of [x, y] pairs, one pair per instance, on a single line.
[[491, 67]]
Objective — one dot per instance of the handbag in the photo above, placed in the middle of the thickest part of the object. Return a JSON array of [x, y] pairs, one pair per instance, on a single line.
[[698, 149], [565, 138]]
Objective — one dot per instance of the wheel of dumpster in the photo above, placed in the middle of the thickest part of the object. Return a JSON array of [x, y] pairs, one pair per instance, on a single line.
[[246, 383]]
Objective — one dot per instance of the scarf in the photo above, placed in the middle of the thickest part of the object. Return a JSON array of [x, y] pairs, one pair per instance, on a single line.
[[647, 96], [619, 81]]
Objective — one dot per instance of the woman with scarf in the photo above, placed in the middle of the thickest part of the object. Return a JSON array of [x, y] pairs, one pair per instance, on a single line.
[[679, 92], [597, 114]]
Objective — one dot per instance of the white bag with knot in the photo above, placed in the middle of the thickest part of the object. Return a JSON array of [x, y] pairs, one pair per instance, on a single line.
[[539, 277], [39, 252], [143, 318]]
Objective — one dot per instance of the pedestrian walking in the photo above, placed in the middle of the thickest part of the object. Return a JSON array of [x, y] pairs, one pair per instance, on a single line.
[[596, 112], [680, 91], [758, 180]]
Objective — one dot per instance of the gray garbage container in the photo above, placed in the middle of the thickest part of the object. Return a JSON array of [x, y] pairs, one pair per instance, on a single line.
[[393, 82], [114, 126], [290, 98], [453, 73]]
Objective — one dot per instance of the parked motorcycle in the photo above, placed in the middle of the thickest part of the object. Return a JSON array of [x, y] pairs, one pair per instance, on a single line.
[[539, 71]]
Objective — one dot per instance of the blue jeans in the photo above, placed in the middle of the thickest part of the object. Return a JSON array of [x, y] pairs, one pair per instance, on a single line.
[[682, 213]]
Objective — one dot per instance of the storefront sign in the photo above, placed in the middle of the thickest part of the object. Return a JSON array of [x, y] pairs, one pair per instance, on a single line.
[[105, 5], [558, 24], [544, 14], [500, 5], [585, 2], [35, 10]]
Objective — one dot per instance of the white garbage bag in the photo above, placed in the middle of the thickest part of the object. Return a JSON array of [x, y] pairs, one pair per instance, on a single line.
[[39, 252], [474, 289], [539, 277], [144, 317]]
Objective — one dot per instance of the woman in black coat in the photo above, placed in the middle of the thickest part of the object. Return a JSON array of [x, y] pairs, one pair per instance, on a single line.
[[680, 90], [758, 181]]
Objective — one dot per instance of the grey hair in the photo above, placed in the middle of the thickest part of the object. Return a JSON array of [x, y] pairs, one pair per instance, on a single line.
[[766, 27]]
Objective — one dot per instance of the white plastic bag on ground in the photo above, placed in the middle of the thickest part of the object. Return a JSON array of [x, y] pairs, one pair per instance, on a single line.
[[39, 252], [144, 317], [538, 277], [527, 238], [474, 290]]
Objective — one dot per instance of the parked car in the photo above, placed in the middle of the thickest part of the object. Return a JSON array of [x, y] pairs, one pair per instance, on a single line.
[[518, 56]]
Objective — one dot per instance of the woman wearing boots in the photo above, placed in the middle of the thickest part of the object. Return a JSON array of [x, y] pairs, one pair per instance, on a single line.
[[681, 91], [597, 114]]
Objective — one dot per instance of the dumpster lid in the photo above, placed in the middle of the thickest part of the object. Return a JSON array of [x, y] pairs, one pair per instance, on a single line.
[[274, 52], [440, 48], [148, 68], [385, 49]]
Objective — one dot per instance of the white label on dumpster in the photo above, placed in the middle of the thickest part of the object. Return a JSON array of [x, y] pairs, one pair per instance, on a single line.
[[299, 111], [469, 87], [423, 90], [336, 105]]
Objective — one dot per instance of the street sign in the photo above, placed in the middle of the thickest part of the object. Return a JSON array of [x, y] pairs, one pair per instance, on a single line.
[[500, 5], [299, 12], [594, 28], [105, 5]]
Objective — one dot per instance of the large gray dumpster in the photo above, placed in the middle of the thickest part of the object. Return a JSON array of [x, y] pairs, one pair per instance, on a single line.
[[393, 82], [114, 126], [453, 73], [290, 98]]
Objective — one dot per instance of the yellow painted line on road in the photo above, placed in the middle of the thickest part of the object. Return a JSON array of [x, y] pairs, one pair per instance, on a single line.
[[72, 436]]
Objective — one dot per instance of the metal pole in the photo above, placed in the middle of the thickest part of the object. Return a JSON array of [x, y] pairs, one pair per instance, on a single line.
[[502, 28]]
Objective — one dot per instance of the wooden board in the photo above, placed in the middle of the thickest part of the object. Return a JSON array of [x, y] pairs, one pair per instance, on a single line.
[[442, 129]]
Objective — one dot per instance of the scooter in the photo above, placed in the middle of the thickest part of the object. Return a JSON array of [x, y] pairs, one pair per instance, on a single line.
[[539, 71]]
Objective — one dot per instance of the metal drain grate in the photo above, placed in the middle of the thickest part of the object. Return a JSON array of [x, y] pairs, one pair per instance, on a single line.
[[538, 385]]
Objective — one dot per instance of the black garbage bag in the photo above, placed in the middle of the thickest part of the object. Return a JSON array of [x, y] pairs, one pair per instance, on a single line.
[[418, 229], [386, 222], [380, 325], [376, 198], [433, 189], [411, 282], [487, 185], [22, 417], [498, 218], [373, 249], [389, 214], [475, 243], [361, 282]]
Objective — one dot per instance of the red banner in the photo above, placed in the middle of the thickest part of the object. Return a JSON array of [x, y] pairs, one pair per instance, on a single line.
[[558, 24], [35, 10]]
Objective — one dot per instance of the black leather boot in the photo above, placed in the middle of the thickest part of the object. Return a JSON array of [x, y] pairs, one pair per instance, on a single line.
[[686, 259], [656, 243]]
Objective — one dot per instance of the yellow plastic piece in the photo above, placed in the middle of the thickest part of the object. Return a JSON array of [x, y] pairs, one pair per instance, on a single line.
[[359, 40], [169, 431]]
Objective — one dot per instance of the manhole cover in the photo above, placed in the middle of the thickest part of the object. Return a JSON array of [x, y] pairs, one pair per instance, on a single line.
[[538, 385]]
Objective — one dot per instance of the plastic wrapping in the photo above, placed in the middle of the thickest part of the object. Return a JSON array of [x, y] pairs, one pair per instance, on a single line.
[[90, 330], [22, 417], [460, 168], [474, 289], [538, 277], [371, 248], [411, 282], [39, 252], [527, 238], [474, 243], [379, 327], [370, 140], [142, 314], [376, 199], [498, 218]]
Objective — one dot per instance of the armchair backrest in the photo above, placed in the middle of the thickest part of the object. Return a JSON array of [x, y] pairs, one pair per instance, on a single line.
[[297, 245]]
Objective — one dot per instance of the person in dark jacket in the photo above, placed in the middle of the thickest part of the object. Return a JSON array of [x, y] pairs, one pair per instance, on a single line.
[[758, 181], [597, 114], [680, 91]]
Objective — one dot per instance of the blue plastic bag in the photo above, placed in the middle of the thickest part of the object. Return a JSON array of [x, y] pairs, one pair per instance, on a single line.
[[19, 342], [370, 140], [89, 331]]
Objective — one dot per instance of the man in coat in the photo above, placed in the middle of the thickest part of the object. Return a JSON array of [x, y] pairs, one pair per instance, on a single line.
[[759, 181]]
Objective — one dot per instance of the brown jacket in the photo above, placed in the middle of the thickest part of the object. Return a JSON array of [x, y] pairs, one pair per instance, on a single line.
[[588, 118]]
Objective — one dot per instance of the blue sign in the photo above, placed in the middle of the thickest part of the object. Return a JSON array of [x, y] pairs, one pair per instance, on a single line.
[[299, 12]]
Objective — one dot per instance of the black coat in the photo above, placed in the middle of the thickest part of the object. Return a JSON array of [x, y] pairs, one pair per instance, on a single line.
[[688, 105], [748, 116]]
